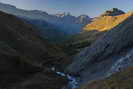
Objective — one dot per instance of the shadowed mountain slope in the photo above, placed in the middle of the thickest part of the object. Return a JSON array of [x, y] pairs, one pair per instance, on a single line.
[[24, 54], [28, 42], [46, 30]]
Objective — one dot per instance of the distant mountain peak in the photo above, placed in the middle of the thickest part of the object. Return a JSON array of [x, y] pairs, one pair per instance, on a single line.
[[113, 12], [38, 12], [7, 5], [63, 14], [84, 19]]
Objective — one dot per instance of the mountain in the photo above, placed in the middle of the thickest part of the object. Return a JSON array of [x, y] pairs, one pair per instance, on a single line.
[[25, 56], [113, 12], [106, 22], [83, 19], [93, 30], [66, 23], [108, 54]]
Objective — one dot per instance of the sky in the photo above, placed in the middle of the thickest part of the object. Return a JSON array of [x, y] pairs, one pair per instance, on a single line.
[[75, 7]]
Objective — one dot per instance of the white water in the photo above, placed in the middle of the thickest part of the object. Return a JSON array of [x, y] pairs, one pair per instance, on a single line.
[[123, 62], [73, 83]]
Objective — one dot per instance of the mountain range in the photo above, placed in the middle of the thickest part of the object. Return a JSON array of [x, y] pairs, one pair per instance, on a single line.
[[63, 24], [94, 29]]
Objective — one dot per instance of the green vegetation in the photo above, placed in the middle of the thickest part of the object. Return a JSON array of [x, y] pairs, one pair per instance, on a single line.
[[78, 42]]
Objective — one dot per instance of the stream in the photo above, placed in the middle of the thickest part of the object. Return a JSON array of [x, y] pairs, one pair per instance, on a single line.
[[73, 81], [122, 63]]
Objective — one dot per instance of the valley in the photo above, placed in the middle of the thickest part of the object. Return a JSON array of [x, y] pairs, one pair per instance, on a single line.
[[39, 50]]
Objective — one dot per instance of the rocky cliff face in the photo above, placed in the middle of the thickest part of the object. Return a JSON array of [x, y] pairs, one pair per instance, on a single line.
[[113, 12], [96, 61]]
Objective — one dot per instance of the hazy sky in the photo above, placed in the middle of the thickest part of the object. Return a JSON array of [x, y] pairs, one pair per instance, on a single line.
[[75, 7]]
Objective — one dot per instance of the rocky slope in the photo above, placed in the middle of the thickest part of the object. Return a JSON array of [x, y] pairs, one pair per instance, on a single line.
[[114, 47], [113, 12], [106, 22], [25, 56], [121, 80]]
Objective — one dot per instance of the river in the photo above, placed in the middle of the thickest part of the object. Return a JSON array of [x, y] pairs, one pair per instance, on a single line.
[[73, 81]]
